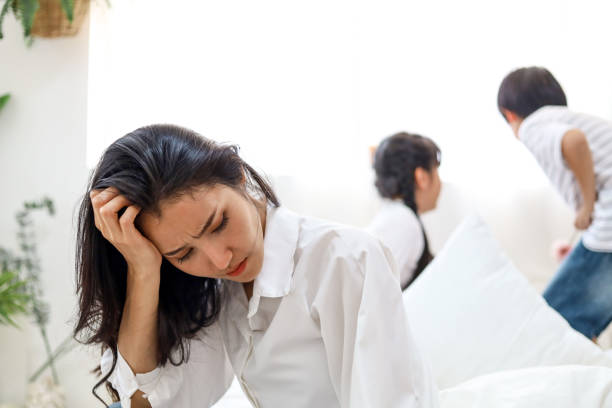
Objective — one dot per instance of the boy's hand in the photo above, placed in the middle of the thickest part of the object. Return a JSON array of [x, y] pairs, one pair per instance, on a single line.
[[560, 250], [583, 217]]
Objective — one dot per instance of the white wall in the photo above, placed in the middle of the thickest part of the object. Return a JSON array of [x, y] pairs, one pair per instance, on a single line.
[[305, 88], [42, 152]]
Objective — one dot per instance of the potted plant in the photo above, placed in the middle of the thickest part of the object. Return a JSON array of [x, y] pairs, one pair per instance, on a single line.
[[46, 18]]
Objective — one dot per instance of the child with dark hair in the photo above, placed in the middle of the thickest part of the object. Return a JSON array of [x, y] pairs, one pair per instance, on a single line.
[[575, 152], [406, 167]]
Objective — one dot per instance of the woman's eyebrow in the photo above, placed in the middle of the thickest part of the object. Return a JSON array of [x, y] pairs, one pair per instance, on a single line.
[[202, 231]]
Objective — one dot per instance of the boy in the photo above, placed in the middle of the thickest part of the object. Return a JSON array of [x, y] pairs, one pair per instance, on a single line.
[[575, 152]]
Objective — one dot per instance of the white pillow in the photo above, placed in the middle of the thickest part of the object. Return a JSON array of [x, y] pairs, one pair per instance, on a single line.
[[473, 313]]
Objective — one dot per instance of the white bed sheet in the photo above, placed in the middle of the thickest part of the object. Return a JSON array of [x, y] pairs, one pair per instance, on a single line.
[[539, 387]]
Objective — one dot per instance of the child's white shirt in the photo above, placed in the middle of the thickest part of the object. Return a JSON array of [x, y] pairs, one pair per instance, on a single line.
[[399, 229], [325, 327], [542, 133]]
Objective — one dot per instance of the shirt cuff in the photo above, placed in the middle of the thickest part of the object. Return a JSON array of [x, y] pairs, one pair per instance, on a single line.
[[125, 381]]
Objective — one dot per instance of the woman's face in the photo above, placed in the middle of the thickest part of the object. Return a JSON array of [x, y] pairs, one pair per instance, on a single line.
[[215, 232]]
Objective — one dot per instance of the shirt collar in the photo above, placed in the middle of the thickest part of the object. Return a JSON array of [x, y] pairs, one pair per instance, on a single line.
[[280, 242]]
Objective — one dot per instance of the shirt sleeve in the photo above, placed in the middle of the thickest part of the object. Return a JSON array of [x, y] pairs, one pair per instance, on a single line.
[[201, 381], [373, 360]]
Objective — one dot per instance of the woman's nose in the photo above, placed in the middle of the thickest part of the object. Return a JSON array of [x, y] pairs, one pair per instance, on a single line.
[[219, 255]]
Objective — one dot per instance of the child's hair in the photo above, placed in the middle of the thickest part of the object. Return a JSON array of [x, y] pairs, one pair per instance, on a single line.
[[525, 90], [148, 166], [395, 161]]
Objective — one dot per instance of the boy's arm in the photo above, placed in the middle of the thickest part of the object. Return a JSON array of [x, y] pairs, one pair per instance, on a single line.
[[576, 152]]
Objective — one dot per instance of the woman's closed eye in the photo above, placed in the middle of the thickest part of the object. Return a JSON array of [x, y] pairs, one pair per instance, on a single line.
[[218, 229], [221, 225], [185, 257]]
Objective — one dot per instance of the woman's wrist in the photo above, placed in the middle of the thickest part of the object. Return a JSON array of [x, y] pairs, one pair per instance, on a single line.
[[144, 273]]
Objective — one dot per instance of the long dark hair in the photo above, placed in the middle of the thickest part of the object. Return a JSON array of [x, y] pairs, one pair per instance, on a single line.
[[525, 90], [147, 166], [395, 161]]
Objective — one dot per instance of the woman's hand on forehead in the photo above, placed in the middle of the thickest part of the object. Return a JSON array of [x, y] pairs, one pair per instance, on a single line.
[[114, 217]]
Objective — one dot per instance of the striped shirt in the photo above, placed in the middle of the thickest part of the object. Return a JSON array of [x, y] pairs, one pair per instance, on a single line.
[[542, 132]]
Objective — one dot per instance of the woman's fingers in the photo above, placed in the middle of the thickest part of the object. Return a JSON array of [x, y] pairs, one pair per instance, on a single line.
[[118, 228], [98, 199], [101, 197], [109, 215], [106, 206], [126, 221], [143, 256]]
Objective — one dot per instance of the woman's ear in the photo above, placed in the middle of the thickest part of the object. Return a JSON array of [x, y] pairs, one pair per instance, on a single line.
[[422, 179]]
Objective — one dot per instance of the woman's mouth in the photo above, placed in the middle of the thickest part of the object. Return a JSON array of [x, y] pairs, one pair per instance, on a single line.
[[239, 269]]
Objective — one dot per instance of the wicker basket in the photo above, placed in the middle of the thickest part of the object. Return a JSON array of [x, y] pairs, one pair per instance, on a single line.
[[51, 21]]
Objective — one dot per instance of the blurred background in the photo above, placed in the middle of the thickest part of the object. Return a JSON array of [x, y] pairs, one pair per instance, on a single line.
[[304, 88]]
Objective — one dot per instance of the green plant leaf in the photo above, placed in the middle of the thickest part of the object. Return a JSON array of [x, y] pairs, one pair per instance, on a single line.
[[13, 299], [5, 319], [6, 276], [3, 12], [27, 10], [68, 7], [4, 99]]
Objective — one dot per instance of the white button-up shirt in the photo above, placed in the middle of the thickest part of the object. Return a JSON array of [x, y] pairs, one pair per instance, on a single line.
[[325, 327]]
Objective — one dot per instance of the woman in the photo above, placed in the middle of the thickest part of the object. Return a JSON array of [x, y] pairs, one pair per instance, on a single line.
[[190, 273], [406, 167]]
